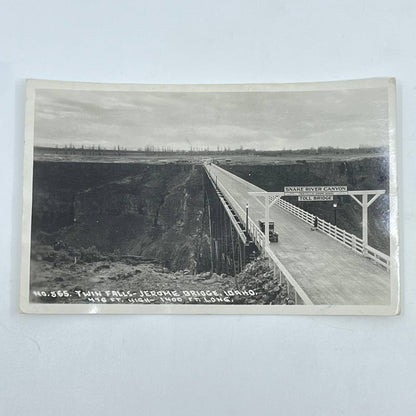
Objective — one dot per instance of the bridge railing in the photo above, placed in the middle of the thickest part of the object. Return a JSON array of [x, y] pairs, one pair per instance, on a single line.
[[236, 207], [378, 257], [296, 211], [350, 240], [279, 270], [256, 234]]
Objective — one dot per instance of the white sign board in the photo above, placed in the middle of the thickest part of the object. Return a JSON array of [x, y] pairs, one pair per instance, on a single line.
[[314, 198], [315, 190]]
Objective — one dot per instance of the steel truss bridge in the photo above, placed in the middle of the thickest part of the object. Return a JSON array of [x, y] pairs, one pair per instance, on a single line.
[[326, 267]]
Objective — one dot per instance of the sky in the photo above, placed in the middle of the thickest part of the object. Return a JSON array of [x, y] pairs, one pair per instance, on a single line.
[[180, 120]]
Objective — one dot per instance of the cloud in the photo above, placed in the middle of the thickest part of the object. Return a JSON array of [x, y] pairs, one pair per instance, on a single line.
[[262, 120]]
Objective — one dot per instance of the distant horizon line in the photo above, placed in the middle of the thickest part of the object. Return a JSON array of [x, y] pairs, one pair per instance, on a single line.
[[219, 149]]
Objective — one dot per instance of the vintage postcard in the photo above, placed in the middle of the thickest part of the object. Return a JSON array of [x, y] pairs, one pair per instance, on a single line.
[[211, 199]]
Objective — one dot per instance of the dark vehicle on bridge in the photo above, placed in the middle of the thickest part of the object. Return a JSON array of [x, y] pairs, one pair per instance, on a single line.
[[273, 235]]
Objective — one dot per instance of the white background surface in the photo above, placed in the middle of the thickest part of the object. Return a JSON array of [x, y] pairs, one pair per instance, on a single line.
[[203, 365]]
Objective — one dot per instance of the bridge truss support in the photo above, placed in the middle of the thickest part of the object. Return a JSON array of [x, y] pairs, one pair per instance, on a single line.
[[231, 249]]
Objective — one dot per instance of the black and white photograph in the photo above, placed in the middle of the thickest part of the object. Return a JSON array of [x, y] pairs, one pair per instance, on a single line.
[[213, 199], [208, 208]]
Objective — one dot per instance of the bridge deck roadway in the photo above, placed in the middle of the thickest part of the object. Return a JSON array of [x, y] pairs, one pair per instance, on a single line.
[[328, 272]]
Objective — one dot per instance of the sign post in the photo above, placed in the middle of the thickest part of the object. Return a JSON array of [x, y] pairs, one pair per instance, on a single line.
[[266, 225], [270, 198], [365, 203], [247, 221], [365, 221]]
